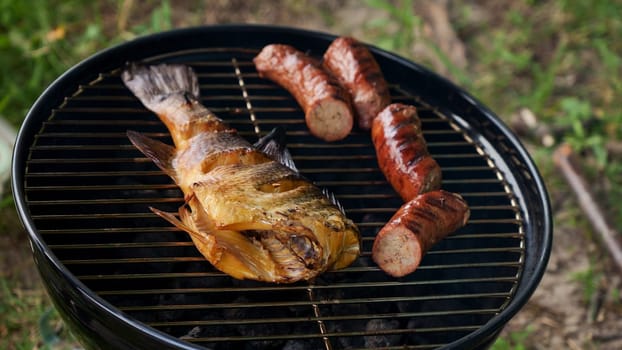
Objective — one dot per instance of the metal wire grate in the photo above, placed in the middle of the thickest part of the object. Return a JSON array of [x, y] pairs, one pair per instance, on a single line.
[[88, 191]]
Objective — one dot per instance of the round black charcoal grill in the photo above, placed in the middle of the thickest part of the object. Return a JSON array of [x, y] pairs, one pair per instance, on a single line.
[[122, 277]]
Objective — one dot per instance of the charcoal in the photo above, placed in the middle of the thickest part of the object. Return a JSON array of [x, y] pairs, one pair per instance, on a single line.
[[301, 344], [347, 326], [174, 313], [261, 329], [203, 332], [193, 333], [421, 324], [208, 331], [382, 340]]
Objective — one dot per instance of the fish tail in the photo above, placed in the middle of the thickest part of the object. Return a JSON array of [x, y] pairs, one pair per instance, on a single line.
[[160, 153], [152, 84], [172, 92]]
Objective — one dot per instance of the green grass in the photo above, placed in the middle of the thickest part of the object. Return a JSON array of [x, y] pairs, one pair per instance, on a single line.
[[19, 312], [37, 46], [513, 341], [29, 321], [588, 279]]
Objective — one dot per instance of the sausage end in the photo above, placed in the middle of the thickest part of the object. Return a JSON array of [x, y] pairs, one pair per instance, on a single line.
[[329, 119], [397, 251]]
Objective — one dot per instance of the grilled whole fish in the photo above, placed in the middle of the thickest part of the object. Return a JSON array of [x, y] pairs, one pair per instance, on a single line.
[[248, 213]]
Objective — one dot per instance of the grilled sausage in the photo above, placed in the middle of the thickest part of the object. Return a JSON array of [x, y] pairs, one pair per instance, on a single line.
[[357, 71], [402, 152], [326, 104], [415, 228]]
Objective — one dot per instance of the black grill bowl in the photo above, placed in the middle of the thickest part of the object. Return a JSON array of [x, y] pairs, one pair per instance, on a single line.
[[123, 278]]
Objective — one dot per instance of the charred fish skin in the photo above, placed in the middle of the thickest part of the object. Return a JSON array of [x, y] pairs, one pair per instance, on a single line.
[[247, 210]]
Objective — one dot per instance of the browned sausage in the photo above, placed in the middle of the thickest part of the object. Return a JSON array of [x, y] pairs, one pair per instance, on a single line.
[[415, 228], [326, 104], [356, 69], [402, 152]]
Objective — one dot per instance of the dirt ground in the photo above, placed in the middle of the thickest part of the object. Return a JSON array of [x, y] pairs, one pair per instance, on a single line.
[[560, 315]]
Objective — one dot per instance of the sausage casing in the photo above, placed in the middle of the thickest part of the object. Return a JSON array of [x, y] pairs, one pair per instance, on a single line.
[[326, 104], [402, 151], [356, 69], [417, 226]]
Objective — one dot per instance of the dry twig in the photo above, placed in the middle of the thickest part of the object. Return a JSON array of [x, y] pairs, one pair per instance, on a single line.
[[438, 28], [562, 159]]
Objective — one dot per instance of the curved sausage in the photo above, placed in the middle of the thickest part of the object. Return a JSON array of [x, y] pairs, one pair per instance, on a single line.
[[357, 71], [415, 228], [326, 104], [402, 152]]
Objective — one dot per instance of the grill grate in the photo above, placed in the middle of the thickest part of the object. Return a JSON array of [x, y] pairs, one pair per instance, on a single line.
[[88, 191]]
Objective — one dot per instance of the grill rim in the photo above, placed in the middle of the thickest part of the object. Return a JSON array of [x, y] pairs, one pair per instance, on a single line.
[[223, 35]]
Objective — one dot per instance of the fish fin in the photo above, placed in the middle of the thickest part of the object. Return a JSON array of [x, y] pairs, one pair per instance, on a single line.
[[151, 84], [231, 252], [201, 223], [160, 153], [170, 217], [273, 144], [333, 199], [208, 242]]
